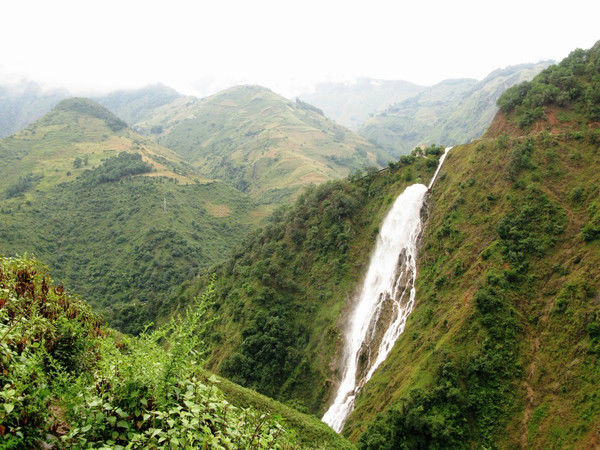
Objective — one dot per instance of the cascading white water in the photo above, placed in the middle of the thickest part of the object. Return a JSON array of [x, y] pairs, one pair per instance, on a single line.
[[441, 161], [386, 299]]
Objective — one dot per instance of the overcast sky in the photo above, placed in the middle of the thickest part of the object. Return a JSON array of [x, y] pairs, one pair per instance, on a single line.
[[200, 46]]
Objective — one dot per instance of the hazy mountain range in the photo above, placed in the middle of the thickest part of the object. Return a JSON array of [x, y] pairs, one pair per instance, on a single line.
[[452, 112], [394, 115], [351, 103], [228, 236]]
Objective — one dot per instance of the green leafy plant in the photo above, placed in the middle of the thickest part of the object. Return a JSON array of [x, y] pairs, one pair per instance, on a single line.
[[67, 380]]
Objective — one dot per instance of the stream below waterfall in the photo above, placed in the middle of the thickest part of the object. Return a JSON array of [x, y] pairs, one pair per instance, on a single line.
[[385, 300]]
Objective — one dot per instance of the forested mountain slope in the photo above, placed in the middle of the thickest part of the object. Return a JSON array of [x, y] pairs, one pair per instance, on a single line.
[[117, 217], [502, 347], [452, 112], [68, 381], [282, 296], [260, 142]]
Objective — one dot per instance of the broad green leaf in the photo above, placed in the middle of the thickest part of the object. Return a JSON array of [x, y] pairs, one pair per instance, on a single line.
[[213, 379]]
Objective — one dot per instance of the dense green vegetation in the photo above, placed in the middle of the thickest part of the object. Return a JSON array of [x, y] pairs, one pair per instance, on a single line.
[[452, 112], [470, 398], [591, 230], [116, 217], [573, 85], [281, 295], [125, 244], [115, 168], [503, 339], [260, 142], [68, 381], [21, 185], [501, 348]]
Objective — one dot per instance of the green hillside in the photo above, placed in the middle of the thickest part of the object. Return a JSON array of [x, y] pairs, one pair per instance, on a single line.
[[68, 381], [282, 296], [260, 142], [502, 347], [452, 112], [351, 103], [79, 129], [118, 218], [501, 350]]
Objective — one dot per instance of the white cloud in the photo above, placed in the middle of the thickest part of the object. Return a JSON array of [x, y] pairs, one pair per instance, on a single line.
[[200, 46]]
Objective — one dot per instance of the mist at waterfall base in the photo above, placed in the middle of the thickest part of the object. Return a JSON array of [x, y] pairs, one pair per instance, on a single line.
[[385, 300]]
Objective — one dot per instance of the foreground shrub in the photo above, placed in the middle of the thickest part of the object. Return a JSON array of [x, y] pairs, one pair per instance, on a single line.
[[68, 381]]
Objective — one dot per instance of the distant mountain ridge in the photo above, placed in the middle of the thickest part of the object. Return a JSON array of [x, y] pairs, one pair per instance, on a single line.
[[260, 142], [393, 115], [351, 103], [452, 111], [23, 103]]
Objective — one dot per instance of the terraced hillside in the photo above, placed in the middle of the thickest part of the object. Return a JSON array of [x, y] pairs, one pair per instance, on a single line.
[[260, 142], [116, 216]]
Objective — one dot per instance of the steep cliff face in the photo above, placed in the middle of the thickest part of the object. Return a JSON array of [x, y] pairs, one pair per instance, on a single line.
[[502, 346], [502, 343]]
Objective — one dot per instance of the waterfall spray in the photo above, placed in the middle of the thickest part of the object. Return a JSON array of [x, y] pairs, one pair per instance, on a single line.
[[385, 300]]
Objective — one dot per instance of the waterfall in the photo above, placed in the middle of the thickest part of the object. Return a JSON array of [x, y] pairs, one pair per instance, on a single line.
[[385, 300], [442, 159]]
